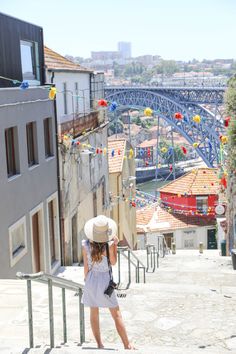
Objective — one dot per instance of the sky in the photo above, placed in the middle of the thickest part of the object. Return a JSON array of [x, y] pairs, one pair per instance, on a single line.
[[173, 29]]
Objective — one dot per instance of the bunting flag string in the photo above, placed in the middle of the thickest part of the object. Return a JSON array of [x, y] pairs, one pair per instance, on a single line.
[[142, 200]]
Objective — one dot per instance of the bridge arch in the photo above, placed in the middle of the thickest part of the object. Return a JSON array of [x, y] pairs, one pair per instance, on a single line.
[[206, 133]]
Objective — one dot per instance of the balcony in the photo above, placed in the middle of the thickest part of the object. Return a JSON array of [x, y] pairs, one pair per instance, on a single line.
[[78, 124]]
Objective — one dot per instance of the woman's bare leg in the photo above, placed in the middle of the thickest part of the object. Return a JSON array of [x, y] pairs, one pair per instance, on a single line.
[[116, 315], [94, 321]]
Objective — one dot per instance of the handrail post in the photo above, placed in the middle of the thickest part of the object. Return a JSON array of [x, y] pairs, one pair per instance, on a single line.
[[151, 256], [157, 253], [154, 258], [118, 266], [30, 314], [144, 275], [81, 318], [51, 320], [129, 267], [138, 270], [63, 293], [147, 249]]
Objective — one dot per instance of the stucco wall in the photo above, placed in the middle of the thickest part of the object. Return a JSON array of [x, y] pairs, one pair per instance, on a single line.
[[22, 193], [83, 80], [81, 175], [122, 212]]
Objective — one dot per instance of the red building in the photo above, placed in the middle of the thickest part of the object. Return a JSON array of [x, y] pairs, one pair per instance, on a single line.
[[195, 193]]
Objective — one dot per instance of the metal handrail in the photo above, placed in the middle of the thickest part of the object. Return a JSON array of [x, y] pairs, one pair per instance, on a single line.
[[51, 281], [154, 258], [139, 265]]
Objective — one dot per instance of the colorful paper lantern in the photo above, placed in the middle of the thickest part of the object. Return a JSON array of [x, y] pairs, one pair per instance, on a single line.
[[195, 145], [112, 152], [197, 119], [226, 121], [24, 85], [164, 150], [146, 163], [113, 106], [171, 168], [224, 139], [104, 151], [102, 103], [52, 93], [184, 150], [131, 153], [149, 152], [148, 112], [178, 115]]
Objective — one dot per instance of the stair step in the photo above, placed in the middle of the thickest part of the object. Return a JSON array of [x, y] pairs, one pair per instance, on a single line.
[[90, 348]]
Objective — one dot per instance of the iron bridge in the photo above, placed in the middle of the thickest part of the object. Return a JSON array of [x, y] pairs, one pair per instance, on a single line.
[[166, 101]]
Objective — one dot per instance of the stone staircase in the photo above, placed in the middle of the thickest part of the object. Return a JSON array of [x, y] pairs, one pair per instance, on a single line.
[[186, 306]]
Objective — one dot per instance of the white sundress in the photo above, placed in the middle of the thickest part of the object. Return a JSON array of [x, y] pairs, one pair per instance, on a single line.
[[96, 282]]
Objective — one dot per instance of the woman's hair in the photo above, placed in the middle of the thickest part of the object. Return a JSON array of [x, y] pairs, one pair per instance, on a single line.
[[97, 250]]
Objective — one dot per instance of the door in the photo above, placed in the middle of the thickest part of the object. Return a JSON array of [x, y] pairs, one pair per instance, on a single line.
[[211, 239], [74, 239], [36, 242], [169, 239]]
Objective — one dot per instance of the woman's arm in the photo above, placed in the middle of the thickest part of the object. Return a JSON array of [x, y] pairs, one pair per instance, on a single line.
[[113, 251], [86, 268]]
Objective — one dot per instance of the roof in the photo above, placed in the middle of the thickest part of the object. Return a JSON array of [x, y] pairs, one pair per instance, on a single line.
[[144, 215], [148, 143], [159, 220], [200, 181], [115, 162], [55, 61]]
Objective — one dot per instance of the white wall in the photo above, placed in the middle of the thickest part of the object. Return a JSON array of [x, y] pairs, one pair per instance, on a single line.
[[198, 234], [83, 80]]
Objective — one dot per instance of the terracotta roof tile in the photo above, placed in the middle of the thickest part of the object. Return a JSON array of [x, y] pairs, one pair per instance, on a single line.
[[115, 162], [199, 181], [56, 61], [148, 143], [158, 219], [144, 215]]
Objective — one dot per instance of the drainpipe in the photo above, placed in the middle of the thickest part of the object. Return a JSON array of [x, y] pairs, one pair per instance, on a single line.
[[118, 209], [61, 219]]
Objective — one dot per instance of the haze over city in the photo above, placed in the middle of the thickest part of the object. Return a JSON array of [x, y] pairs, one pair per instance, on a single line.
[[174, 30]]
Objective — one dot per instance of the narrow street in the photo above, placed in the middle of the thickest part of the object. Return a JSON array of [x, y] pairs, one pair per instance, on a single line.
[[187, 304]]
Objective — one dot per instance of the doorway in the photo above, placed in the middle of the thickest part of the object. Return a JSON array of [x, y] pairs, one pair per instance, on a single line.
[[74, 239], [36, 242], [211, 239], [169, 239]]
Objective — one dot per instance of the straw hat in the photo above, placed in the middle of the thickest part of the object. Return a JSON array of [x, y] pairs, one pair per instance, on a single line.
[[100, 229]]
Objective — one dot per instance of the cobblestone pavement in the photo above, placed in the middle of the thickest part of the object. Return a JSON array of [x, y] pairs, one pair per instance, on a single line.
[[187, 306], [189, 302]]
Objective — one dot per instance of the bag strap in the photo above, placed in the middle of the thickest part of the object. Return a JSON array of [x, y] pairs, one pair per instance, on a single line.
[[108, 261]]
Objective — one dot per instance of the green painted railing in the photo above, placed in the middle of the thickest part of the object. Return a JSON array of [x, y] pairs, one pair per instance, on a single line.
[[53, 281]]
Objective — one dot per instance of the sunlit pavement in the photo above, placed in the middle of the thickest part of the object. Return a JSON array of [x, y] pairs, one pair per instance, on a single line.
[[186, 306]]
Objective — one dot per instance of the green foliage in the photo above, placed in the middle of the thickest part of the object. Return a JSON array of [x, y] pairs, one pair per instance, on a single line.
[[230, 103]]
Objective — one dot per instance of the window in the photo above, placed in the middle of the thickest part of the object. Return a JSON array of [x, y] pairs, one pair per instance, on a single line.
[[17, 241], [202, 204], [29, 60], [48, 137], [31, 143], [51, 231], [65, 97], [12, 153]]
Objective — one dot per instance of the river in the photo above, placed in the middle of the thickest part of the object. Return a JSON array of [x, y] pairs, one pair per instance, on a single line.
[[151, 186]]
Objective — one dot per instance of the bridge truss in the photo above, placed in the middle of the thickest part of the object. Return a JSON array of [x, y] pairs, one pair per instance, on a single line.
[[165, 102]]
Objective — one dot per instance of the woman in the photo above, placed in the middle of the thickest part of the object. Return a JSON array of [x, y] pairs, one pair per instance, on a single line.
[[101, 231]]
